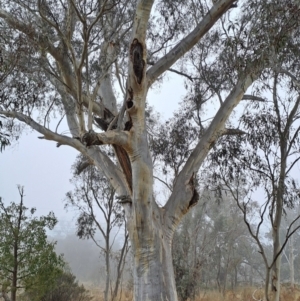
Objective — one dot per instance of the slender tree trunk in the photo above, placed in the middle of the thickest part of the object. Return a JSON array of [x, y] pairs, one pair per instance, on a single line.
[[107, 269], [276, 279], [235, 277], [291, 262], [276, 231], [120, 268], [267, 284], [251, 275], [15, 273]]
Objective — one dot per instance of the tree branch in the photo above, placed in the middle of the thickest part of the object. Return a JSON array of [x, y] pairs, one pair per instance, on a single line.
[[189, 41], [102, 161], [110, 137], [174, 71], [232, 132], [44, 42], [178, 202], [143, 10], [253, 97], [47, 134]]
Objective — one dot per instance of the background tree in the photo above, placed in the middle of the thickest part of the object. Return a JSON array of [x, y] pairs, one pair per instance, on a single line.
[[209, 249], [289, 271], [94, 198], [77, 50], [27, 259], [262, 161]]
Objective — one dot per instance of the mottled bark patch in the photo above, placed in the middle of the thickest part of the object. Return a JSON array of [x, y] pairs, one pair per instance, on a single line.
[[136, 55]]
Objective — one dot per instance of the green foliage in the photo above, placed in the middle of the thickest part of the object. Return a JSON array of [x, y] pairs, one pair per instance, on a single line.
[[27, 259], [65, 288]]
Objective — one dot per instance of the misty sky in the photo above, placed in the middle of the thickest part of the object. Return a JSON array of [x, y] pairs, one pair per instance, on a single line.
[[45, 170]]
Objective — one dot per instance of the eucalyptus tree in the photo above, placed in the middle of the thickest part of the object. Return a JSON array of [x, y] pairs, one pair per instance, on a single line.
[[209, 248], [290, 266], [79, 52], [100, 217], [261, 164]]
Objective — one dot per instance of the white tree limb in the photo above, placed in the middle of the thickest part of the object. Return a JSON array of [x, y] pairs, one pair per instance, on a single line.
[[183, 191], [98, 158], [189, 41]]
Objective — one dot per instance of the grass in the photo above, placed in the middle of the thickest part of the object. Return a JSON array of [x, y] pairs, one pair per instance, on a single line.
[[240, 294]]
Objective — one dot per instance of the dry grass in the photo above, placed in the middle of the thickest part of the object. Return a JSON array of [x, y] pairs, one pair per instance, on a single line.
[[97, 294], [246, 294], [241, 294]]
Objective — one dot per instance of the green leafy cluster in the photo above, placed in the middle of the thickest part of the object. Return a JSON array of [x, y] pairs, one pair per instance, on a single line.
[[27, 259]]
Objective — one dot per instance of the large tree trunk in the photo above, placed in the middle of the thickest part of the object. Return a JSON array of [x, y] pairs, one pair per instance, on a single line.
[[149, 230], [153, 268]]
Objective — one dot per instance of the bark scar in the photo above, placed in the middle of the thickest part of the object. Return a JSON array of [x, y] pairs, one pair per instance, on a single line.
[[195, 197], [129, 101], [136, 55], [128, 124]]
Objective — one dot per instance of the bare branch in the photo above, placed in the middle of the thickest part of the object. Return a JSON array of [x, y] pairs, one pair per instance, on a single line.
[[160, 180], [292, 76], [47, 134], [174, 71]]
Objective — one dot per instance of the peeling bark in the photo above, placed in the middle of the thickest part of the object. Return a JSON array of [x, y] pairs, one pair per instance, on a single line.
[[136, 57], [124, 163]]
